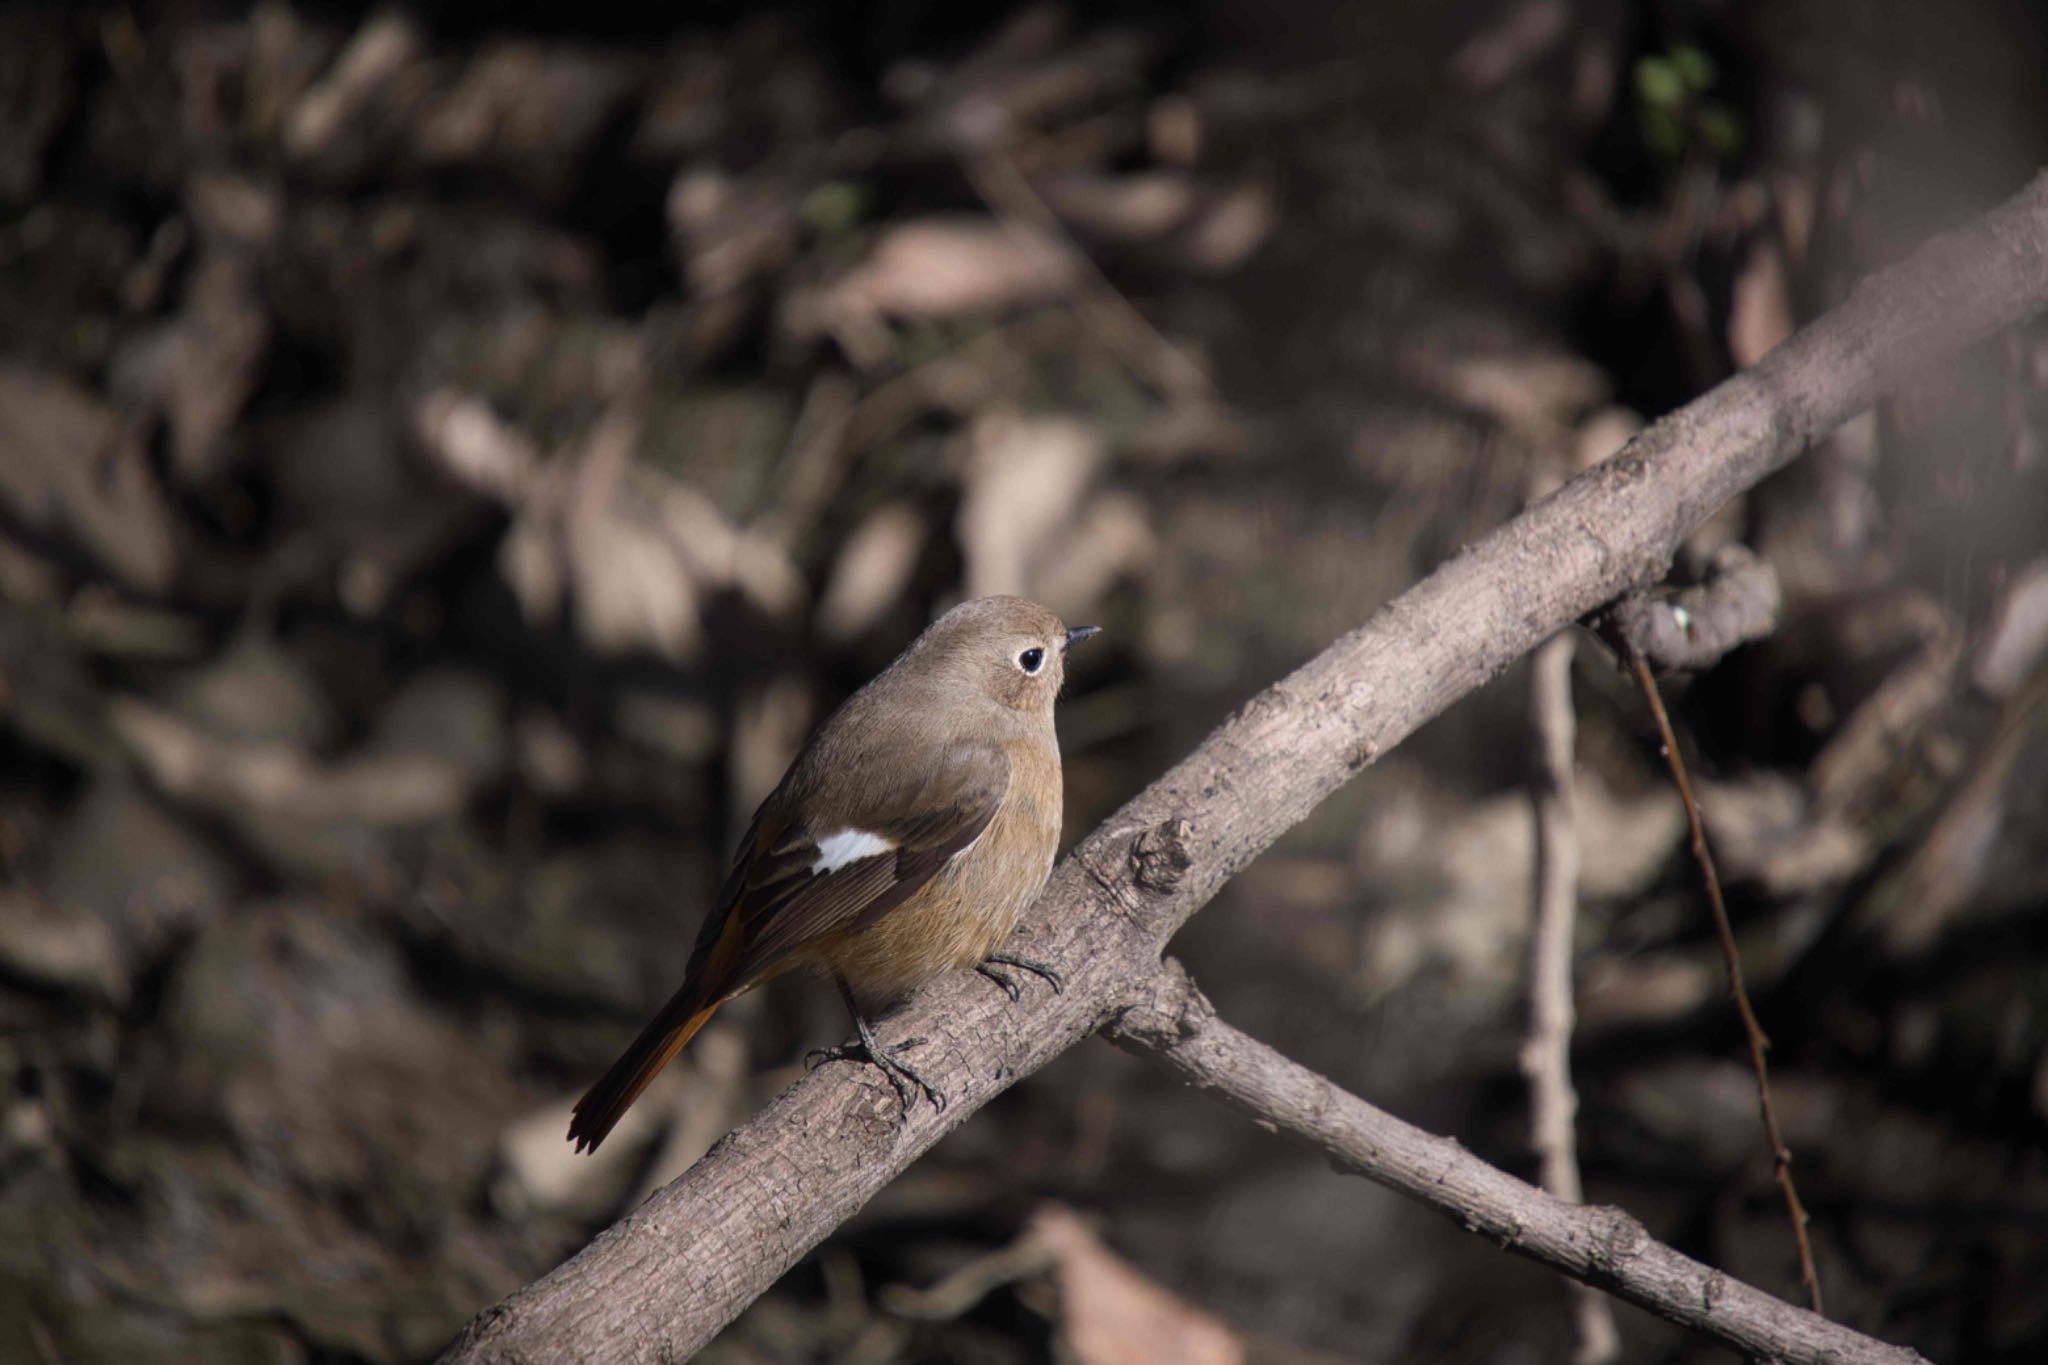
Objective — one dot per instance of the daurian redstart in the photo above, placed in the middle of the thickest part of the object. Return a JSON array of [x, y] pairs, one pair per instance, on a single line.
[[903, 842]]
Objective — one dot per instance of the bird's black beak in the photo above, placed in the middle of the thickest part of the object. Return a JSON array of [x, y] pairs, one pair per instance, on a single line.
[[1077, 634]]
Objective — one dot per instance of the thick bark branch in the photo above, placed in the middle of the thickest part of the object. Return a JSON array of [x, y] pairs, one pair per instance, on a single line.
[[1599, 1246], [662, 1281]]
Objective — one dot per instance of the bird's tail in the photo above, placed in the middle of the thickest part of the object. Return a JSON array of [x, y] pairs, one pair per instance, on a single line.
[[605, 1103]]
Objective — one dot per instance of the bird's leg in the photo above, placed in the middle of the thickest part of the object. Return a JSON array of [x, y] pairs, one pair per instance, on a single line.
[[1022, 964], [867, 1048]]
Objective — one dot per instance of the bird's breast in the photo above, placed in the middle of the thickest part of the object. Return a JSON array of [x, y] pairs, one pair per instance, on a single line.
[[965, 911]]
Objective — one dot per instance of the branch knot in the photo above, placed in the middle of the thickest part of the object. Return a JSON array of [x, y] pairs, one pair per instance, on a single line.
[[1737, 601], [1618, 1239], [1160, 858]]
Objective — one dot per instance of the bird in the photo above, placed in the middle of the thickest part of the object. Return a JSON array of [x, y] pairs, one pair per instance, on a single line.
[[904, 841]]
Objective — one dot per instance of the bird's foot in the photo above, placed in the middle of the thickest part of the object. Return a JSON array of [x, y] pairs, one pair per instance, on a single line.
[[1023, 964], [900, 1074]]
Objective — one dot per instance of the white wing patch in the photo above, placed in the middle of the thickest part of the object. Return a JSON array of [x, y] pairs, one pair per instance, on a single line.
[[847, 846]]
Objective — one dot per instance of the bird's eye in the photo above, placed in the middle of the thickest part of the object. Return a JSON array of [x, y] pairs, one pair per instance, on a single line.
[[1031, 660]]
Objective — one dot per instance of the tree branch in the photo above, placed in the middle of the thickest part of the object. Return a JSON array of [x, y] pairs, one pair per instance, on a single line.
[[662, 1281], [1547, 1046], [1599, 1246]]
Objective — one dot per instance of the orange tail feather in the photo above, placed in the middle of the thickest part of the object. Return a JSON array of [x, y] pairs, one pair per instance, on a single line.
[[605, 1103]]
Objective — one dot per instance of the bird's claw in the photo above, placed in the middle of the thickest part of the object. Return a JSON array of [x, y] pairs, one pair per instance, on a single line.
[[1023, 964], [1009, 987], [901, 1077]]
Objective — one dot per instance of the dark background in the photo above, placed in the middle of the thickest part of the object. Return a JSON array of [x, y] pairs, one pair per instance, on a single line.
[[450, 455]]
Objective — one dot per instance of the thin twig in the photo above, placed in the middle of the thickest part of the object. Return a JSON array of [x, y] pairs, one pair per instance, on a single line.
[[1140, 345], [1781, 1155], [1546, 1051]]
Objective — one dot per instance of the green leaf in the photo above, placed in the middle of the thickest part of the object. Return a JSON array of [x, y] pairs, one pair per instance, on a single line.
[[834, 207], [1662, 134], [1721, 130], [1658, 84], [1694, 67]]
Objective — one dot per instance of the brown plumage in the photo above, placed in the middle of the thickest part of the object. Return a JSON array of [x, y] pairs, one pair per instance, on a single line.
[[903, 842]]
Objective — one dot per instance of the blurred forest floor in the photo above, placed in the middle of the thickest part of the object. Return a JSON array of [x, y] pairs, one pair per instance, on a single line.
[[449, 458]]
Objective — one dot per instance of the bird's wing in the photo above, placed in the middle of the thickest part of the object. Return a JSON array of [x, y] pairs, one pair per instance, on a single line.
[[859, 856], [844, 871]]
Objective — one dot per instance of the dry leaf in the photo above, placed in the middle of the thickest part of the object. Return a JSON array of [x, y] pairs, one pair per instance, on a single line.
[[2016, 641], [537, 1172], [872, 571], [474, 447], [717, 553], [1111, 537], [634, 549], [1471, 925], [531, 109], [631, 590], [279, 781], [1130, 208], [199, 367], [373, 59], [944, 268], [1112, 1315], [73, 470], [1025, 480], [1231, 229], [1537, 393], [730, 231], [1760, 314], [47, 945]]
